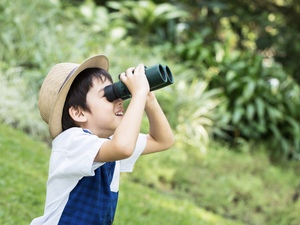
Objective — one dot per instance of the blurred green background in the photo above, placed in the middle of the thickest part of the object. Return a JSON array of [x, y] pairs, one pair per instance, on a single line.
[[233, 106]]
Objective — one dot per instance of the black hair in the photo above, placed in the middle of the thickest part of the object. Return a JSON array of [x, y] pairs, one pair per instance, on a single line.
[[77, 94]]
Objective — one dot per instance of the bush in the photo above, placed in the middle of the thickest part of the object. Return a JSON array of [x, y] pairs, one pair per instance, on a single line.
[[35, 36], [194, 108], [260, 98], [153, 23], [261, 101]]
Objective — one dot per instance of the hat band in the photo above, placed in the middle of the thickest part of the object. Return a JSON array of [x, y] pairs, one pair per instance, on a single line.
[[67, 78]]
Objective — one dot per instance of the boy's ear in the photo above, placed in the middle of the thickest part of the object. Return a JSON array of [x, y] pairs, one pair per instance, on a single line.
[[77, 114]]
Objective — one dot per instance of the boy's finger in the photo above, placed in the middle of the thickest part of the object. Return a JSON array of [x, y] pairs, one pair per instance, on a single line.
[[122, 76], [129, 71], [139, 68]]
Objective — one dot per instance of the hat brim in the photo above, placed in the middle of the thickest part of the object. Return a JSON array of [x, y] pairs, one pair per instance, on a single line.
[[55, 120]]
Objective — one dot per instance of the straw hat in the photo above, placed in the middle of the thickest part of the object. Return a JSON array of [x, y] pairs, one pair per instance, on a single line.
[[56, 86]]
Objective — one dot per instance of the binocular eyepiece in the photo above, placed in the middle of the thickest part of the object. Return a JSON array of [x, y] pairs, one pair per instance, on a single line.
[[158, 76]]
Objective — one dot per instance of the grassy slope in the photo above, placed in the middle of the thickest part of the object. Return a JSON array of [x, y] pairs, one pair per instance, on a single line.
[[23, 172], [243, 185]]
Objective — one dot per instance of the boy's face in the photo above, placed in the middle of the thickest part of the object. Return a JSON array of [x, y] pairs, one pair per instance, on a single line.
[[104, 116]]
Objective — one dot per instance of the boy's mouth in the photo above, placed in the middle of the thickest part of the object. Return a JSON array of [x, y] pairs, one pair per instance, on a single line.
[[119, 113]]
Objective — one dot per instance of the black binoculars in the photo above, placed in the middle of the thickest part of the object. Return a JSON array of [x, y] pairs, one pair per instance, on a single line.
[[158, 76]]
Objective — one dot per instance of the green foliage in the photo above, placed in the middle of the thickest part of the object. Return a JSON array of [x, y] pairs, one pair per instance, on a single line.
[[33, 40], [195, 52], [95, 18], [194, 108], [28, 46], [261, 100], [152, 22], [19, 103], [217, 57], [270, 26], [35, 36]]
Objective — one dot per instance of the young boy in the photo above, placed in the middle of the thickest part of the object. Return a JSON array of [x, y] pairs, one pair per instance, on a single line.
[[94, 140]]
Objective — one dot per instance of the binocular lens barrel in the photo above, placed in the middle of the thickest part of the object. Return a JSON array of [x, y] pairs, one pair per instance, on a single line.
[[169, 79], [158, 76]]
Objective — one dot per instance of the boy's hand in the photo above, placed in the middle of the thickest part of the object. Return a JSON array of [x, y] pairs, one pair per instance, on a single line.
[[135, 80]]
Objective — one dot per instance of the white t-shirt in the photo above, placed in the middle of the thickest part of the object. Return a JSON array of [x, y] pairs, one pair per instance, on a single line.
[[72, 159]]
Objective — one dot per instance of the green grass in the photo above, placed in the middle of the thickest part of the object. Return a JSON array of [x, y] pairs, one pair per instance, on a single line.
[[242, 185], [143, 205], [23, 172]]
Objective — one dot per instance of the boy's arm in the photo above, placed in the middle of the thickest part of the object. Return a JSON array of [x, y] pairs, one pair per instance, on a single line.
[[125, 136], [160, 135]]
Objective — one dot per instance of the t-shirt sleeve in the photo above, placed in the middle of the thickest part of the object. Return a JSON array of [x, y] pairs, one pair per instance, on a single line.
[[74, 153], [126, 165]]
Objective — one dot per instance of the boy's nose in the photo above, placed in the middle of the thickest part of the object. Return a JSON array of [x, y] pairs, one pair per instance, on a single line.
[[119, 101]]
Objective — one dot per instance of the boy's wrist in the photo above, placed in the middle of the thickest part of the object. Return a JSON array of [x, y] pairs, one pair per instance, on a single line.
[[151, 100], [139, 94]]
